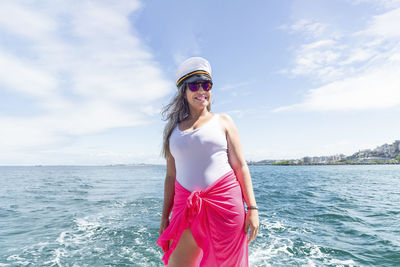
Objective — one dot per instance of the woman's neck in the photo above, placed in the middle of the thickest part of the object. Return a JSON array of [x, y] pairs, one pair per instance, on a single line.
[[195, 114]]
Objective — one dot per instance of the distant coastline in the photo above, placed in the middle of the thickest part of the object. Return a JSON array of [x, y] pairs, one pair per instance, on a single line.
[[290, 163], [133, 165], [381, 155], [387, 154]]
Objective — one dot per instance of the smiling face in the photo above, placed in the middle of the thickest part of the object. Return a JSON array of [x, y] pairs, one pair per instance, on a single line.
[[199, 99]]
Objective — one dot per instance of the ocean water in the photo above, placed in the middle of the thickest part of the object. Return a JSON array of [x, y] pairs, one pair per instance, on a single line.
[[109, 216]]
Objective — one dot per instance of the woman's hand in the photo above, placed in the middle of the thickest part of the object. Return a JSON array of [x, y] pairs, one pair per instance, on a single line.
[[164, 224], [252, 221]]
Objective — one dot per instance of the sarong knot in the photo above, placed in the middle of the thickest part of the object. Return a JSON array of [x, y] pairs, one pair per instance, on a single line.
[[194, 204]]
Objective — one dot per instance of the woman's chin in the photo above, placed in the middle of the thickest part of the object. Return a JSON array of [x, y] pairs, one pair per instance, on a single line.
[[203, 103]]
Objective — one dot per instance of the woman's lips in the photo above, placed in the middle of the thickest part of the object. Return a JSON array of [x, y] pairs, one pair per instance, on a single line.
[[201, 98]]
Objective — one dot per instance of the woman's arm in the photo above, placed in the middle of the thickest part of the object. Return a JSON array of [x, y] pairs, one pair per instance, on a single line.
[[239, 166], [169, 192]]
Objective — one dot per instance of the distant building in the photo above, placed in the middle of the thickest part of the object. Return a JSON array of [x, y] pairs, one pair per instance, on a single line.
[[385, 154], [396, 144], [323, 159]]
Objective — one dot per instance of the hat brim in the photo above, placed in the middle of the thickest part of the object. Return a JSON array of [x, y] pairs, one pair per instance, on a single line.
[[197, 77]]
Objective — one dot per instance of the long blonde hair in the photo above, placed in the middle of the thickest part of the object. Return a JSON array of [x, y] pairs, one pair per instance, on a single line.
[[176, 111]]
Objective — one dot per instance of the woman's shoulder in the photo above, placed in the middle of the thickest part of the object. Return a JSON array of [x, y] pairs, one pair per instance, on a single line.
[[224, 117], [226, 121]]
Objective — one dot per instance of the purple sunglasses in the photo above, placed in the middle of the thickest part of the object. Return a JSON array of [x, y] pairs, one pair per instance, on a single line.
[[195, 86]]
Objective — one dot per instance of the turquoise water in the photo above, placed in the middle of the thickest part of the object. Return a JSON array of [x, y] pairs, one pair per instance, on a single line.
[[109, 216]]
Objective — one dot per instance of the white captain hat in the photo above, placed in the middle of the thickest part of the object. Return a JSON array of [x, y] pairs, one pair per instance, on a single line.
[[193, 68]]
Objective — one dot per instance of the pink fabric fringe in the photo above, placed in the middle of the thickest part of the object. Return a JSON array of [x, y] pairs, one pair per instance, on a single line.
[[216, 217]]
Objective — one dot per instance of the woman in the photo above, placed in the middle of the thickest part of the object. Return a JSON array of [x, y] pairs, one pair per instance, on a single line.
[[206, 180]]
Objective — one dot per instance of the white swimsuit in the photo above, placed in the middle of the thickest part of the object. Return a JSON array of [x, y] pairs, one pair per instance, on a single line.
[[201, 155]]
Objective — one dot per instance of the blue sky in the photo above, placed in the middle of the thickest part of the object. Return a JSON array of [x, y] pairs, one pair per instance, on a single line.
[[83, 82]]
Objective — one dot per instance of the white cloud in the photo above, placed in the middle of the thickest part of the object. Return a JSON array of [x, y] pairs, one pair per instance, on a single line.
[[385, 25], [357, 71], [376, 89], [318, 57], [25, 77], [357, 54], [81, 64], [17, 19], [307, 27]]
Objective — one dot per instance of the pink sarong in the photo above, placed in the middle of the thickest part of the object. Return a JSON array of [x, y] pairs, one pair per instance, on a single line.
[[216, 218]]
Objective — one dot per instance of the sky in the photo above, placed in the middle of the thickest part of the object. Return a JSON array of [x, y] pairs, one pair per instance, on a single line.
[[83, 82]]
